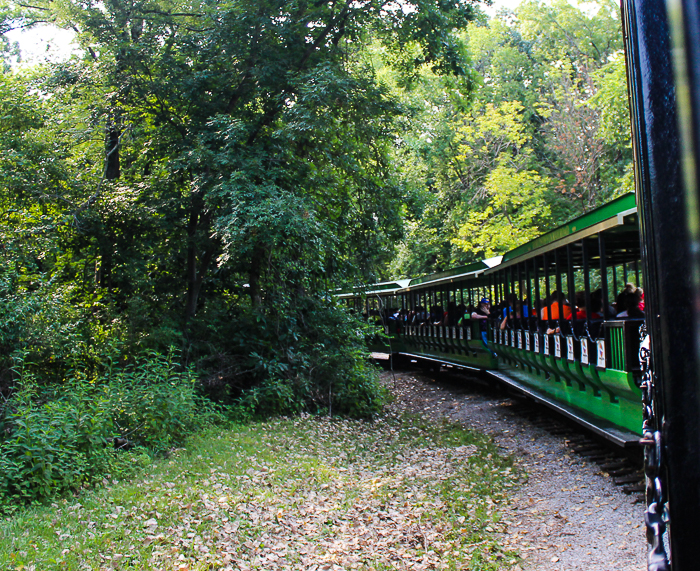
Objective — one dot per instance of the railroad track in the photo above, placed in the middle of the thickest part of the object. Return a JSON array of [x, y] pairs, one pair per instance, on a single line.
[[624, 466]]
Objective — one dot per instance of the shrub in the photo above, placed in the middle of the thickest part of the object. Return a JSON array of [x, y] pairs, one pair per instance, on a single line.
[[53, 442], [155, 403], [309, 356], [60, 438]]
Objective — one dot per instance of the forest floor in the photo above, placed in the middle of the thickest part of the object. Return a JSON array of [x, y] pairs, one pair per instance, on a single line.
[[447, 478], [569, 516], [306, 493]]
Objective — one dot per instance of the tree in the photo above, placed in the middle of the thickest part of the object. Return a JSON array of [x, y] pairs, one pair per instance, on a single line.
[[572, 44], [490, 136], [227, 163], [550, 106], [33, 175], [257, 124], [573, 135], [514, 211]]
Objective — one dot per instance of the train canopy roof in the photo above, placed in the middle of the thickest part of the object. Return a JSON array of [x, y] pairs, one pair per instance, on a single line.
[[613, 214], [448, 276], [371, 289]]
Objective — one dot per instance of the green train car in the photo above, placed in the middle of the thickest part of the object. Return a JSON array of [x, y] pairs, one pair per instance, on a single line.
[[583, 363]]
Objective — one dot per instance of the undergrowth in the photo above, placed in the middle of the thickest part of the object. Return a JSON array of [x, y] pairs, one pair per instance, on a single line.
[[59, 438]]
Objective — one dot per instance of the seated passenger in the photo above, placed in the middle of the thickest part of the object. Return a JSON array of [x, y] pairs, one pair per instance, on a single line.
[[508, 304], [461, 310], [514, 311], [436, 315], [420, 315], [449, 318], [552, 305], [466, 316], [483, 310], [482, 314], [596, 302], [629, 300], [397, 318], [606, 309], [410, 316]]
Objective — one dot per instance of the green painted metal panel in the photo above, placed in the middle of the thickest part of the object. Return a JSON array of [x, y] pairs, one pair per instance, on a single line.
[[610, 394], [469, 268], [610, 210]]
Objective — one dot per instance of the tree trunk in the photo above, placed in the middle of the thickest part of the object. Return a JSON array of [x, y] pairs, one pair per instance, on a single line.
[[112, 134], [103, 275], [198, 225], [254, 276]]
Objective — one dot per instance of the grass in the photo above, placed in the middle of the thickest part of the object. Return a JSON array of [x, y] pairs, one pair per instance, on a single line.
[[302, 493]]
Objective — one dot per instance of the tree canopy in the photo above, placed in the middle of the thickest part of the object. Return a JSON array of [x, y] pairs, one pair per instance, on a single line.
[[544, 137], [205, 172]]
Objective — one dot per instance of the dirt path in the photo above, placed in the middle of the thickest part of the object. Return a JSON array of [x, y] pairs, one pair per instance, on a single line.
[[569, 516]]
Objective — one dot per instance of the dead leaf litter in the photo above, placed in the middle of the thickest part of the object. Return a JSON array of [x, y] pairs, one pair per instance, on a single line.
[[398, 493]]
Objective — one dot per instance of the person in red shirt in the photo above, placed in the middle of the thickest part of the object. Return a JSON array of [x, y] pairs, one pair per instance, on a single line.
[[581, 306]]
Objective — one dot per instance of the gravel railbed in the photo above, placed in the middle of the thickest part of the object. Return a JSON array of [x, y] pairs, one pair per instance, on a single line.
[[568, 516]]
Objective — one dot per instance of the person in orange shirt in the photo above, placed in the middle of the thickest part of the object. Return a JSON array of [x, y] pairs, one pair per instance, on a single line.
[[553, 304]]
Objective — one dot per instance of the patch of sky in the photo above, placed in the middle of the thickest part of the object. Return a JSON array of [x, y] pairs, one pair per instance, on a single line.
[[42, 44]]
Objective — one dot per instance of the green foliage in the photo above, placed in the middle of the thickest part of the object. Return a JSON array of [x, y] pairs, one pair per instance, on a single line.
[[189, 152], [514, 214], [154, 404], [200, 177], [307, 355], [206, 172], [611, 100], [52, 442], [544, 138], [60, 438]]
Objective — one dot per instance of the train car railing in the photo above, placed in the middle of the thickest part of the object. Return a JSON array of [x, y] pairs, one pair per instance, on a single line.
[[608, 363], [616, 349], [622, 342]]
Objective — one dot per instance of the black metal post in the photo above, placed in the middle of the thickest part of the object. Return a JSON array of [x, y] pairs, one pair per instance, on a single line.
[[571, 286], [527, 300], [534, 304], [506, 289], [604, 273], [548, 302], [500, 287], [666, 250], [586, 282], [560, 294]]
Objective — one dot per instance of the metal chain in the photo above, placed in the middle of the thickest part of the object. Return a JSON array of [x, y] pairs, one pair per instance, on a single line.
[[654, 517]]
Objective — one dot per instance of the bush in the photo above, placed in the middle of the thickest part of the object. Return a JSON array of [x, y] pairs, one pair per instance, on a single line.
[[155, 403], [58, 439], [53, 443], [306, 357]]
